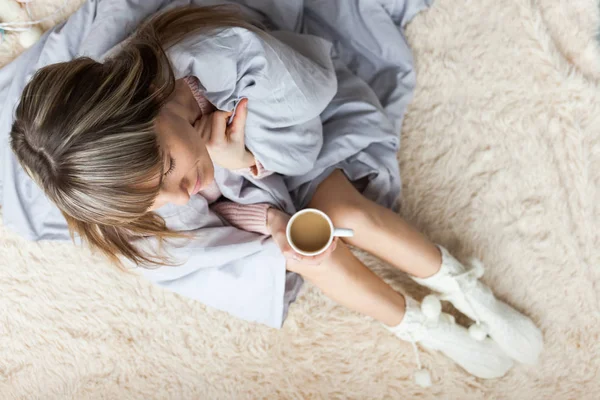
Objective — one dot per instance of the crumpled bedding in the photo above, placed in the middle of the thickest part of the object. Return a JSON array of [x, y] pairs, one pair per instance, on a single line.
[[327, 89]]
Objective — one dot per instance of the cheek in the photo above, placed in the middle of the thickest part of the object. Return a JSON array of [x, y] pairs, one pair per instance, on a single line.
[[206, 160], [206, 163], [194, 148], [158, 203]]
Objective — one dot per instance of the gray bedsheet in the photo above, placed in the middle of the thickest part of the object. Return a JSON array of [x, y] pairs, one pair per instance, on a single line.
[[327, 89]]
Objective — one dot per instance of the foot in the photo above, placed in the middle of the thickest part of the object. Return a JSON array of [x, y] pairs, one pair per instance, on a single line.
[[515, 333], [438, 331]]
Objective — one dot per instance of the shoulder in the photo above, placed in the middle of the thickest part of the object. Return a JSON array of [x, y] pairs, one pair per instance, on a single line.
[[221, 39], [220, 48]]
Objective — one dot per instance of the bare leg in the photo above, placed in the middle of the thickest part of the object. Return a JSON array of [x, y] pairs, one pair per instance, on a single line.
[[377, 230], [343, 278], [346, 280]]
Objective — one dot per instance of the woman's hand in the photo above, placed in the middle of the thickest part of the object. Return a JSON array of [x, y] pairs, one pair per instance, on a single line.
[[226, 144], [277, 223]]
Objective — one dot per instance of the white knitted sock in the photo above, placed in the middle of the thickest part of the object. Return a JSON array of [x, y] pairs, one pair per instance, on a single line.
[[515, 333], [438, 331]]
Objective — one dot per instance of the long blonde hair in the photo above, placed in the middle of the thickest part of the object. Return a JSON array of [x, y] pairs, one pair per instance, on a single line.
[[84, 132]]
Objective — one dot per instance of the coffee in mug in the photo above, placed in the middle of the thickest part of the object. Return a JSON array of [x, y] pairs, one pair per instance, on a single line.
[[310, 232]]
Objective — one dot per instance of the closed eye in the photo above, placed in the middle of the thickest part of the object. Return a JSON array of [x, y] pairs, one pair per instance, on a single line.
[[171, 166]]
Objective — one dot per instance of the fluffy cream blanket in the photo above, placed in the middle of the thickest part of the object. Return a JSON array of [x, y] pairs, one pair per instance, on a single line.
[[500, 160]]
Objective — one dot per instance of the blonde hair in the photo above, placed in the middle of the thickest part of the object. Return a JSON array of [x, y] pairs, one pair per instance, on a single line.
[[84, 132]]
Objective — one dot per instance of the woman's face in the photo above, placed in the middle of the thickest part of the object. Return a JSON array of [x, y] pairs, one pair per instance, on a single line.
[[188, 167]]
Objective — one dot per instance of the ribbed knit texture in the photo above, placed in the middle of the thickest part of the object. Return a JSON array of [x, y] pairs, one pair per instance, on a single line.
[[205, 106], [251, 218]]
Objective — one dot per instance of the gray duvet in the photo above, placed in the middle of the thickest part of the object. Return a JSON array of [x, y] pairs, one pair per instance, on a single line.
[[327, 89]]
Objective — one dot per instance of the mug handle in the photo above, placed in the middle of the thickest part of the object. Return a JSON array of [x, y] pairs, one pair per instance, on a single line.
[[339, 232]]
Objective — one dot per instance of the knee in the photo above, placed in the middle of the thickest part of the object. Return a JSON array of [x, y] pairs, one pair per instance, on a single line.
[[352, 214], [345, 205]]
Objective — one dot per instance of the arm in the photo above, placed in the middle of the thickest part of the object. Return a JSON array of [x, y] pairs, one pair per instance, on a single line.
[[250, 164], [287, 90], [227, 142], [266, 220]]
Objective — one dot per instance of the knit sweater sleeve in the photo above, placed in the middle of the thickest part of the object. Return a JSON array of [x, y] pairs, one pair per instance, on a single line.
[[248, 217]]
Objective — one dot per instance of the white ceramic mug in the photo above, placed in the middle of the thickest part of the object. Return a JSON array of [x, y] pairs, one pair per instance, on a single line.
[[322, 235]]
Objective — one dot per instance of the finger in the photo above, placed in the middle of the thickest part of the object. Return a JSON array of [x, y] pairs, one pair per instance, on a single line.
[[319, 259], [219, 126], [310, 260], [281, 240], [292, 255], [333, 246], [239, 119], [201, 124]]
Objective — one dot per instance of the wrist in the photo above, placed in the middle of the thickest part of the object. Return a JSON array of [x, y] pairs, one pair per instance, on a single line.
[[275, 218], [248, 160], [243, 164]]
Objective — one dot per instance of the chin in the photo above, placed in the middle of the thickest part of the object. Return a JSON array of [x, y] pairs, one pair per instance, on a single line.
[[208, 180]]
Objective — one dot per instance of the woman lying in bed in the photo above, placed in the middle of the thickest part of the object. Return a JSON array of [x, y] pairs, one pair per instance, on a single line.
[[201, 106]]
